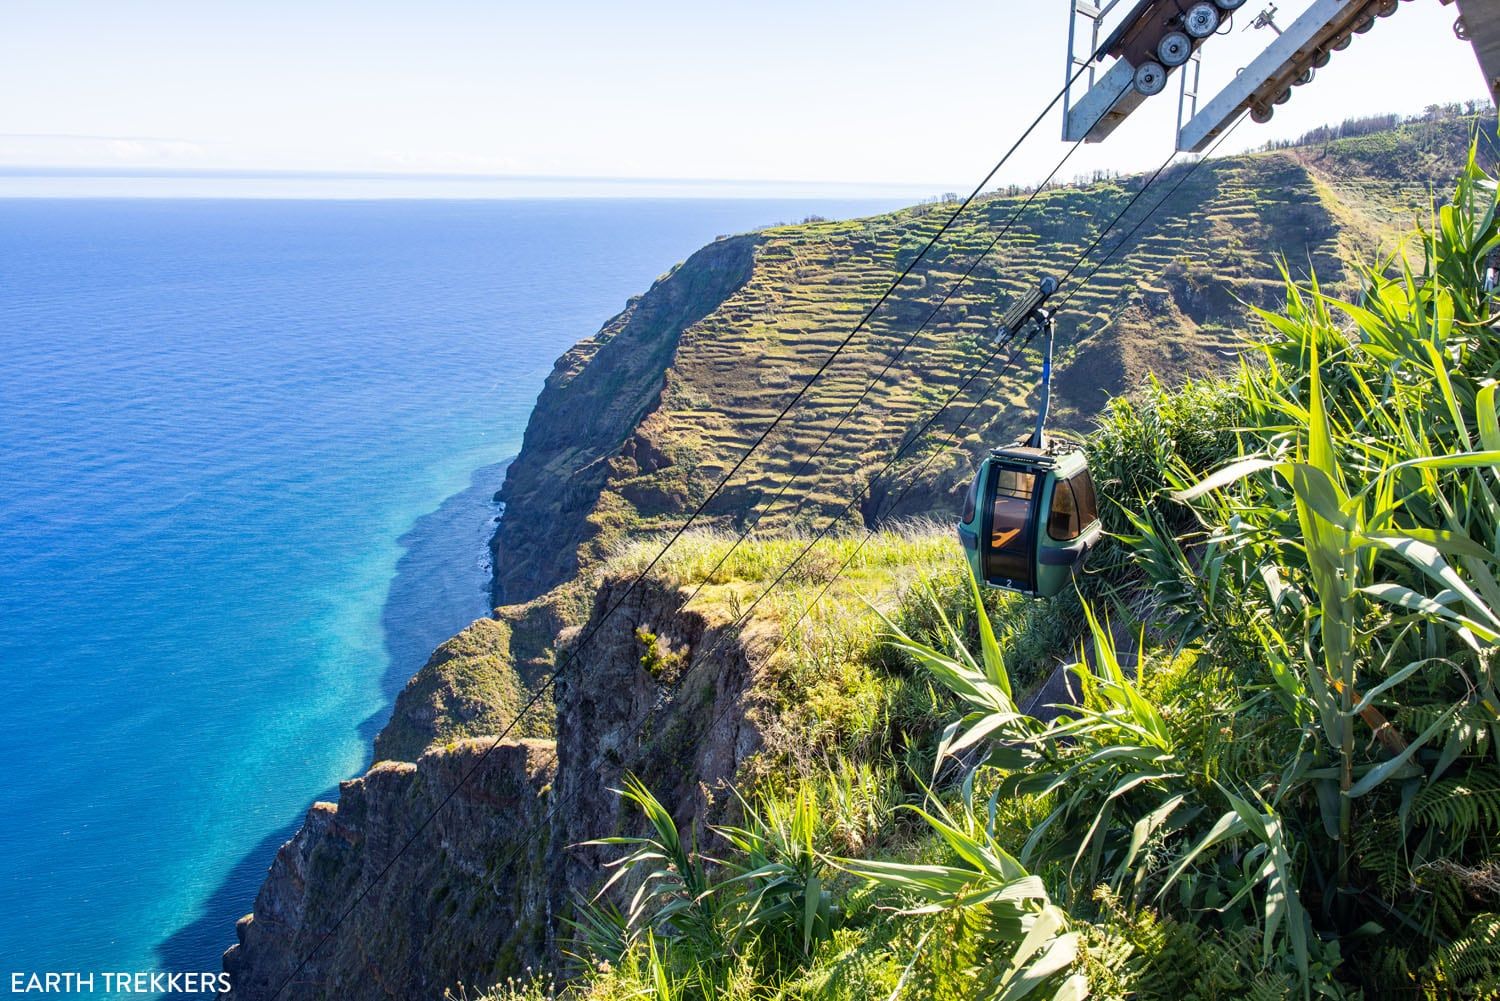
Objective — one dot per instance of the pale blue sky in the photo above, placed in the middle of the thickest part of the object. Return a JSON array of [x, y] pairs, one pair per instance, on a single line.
[[902, 96]]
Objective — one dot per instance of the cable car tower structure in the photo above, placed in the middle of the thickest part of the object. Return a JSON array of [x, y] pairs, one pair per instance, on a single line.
[[1131, 54]]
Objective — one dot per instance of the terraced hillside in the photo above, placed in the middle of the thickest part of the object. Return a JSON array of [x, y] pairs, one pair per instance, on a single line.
[[637, 424]]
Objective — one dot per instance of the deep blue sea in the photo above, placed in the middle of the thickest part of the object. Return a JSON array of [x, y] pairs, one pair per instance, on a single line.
[[247, 450]]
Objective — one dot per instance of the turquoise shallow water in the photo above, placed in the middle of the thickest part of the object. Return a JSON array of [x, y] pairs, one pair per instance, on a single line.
[[246, 455]]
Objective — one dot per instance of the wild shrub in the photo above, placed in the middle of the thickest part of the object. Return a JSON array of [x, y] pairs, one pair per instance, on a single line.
[[1356, 532], [1334, 584], [1289, 786]]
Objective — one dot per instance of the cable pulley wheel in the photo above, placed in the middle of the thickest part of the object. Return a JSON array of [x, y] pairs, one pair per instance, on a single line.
[[1150, 78], [1323, 58], [1364, 26], [1304, 79], [1283, 97], [1174, 49], [1201, 20], [1261, 114], [1341, 43], [1386, 8]]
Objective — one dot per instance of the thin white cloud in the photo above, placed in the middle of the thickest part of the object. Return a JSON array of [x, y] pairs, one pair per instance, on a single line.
[[448, 162], [91, 150]]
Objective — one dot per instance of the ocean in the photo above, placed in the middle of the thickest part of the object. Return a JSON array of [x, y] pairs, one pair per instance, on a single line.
[[247, 455]]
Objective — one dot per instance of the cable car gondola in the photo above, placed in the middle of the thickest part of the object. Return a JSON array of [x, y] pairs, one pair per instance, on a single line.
[[1031, 516]]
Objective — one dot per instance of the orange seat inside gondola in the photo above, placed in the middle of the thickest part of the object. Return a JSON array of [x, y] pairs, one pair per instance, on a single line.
[[1001, 539]]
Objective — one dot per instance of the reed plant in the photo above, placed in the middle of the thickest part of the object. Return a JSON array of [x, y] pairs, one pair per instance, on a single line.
[[1281, 775]]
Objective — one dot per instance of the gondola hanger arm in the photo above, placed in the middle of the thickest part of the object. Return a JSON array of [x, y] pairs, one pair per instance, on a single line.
[[1028, 309]]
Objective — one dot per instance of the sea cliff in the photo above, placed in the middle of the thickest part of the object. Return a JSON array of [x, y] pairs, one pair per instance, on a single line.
[[478, 893], [636, 426]]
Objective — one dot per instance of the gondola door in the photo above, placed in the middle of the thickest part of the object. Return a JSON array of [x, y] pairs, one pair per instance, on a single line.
[[1010, 528]]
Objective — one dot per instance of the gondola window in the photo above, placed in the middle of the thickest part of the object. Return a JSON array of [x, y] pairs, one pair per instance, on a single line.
[[1073, 507]]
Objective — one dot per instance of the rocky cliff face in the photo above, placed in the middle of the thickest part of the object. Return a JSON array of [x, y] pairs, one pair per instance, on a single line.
[[637, 424], [480, 891], [662, 693], [451, 908]]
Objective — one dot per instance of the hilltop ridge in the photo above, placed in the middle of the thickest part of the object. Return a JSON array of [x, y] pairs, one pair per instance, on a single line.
[[638, 423]]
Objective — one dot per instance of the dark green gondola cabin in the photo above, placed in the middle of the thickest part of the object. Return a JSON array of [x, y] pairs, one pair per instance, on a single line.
[[1030, 519]]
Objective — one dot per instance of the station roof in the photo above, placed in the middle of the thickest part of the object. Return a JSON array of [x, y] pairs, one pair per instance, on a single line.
[[1481, 20]]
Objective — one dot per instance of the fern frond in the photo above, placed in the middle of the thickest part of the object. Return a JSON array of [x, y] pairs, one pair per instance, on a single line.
[[1381, 851], [1441, 904], [1471, 726], [1471, 965], [1392, 967], [1461, 804]]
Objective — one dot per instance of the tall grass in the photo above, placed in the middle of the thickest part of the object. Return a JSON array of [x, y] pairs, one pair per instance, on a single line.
[[1362, 516], [1285, 784]]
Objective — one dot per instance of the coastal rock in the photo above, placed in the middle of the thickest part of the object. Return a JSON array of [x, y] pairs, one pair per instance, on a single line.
[[464, 903], [668, 695], [476, 683], [481, 892]]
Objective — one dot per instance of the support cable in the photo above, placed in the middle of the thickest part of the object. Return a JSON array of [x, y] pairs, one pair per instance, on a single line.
[[680, 531], [952, 439], [912, 439]]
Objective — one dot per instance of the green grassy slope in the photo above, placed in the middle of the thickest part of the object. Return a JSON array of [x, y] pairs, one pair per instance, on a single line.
[[1279, 780], [824, 728], [1167, 303]]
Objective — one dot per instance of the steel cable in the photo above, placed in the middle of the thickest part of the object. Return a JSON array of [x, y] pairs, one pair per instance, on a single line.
[[577, 649]]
